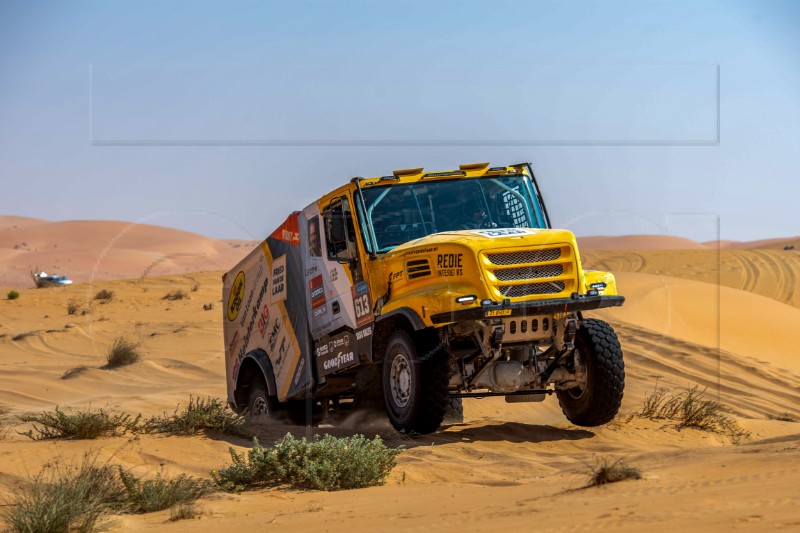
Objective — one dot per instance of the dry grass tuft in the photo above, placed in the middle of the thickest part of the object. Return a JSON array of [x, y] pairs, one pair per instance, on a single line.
[[175, 295], [691, 410], [606, 471], [74, 372], [122, 352], [104, 295], [73, 307]]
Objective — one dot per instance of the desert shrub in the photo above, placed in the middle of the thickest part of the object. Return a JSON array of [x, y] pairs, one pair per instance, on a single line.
[[691, 410], [175, 295], [201, 414], [605, 471], [783, 417], [326, 463], [184, 511], [65, 499], [12, 295], [86, 423], [122, 352], [73, 307], [208, 306], [74, 372], [105, 295], [160, 493]]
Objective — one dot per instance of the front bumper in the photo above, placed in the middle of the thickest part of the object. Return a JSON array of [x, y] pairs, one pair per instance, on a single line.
[[537, 307]]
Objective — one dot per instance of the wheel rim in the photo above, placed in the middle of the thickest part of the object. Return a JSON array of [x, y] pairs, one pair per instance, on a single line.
[[400, 380], [260, 406], [580, 371]]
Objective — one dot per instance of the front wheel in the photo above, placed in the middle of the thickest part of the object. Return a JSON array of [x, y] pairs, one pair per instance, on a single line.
[[414, 386], [598, 355]]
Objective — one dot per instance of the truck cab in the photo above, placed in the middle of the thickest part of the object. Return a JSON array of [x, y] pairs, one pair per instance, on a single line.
[[405, 293]]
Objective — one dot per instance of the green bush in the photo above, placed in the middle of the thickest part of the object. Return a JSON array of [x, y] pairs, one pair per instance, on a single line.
[[79, 424], [65, 498], [326, 463], [606, 471], [160, 493], [122, 352], [209, 414], [690, 410], [13, 295]]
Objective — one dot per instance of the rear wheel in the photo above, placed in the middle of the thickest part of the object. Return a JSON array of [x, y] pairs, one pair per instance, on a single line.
[[414, 386], [599, 356], [260, 405]]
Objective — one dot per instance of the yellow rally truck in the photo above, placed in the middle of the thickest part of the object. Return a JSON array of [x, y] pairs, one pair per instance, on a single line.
[[405, 293]]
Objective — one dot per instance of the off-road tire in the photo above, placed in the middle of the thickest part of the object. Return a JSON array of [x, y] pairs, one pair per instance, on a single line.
[[260, 405], [454, 413], [599, 401], [427, 373]]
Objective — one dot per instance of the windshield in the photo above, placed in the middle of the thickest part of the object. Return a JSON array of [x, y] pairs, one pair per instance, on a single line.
[[401, 213]]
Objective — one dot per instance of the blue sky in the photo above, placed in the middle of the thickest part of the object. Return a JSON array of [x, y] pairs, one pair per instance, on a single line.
[[164, 112]]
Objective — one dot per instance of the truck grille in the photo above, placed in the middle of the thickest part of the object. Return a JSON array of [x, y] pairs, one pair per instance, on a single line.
[[530, 274], [527, 289], [528, 256]]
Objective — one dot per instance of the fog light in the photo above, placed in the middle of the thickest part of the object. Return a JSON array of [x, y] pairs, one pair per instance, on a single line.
[[466, 299], [592, 292], [486, 302]]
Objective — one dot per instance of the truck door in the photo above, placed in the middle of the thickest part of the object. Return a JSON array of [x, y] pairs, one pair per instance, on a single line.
[[340, 303]]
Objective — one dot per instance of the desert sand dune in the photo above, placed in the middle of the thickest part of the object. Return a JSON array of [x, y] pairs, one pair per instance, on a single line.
[[506, 467], [638, 242], [99, 250], [773, 273]]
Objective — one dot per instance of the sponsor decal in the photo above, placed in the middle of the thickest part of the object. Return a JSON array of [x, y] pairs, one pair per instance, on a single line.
[[251, 324], [310, 271], [299, 372], [334, 275], [342, 359], [236, 296], [246, 307], [504, 232], [335, 353], [394, 276], [363, 333], [233, 344], [278, 292], [498, 312], [422, 251], [273, 334], [289, 231], [263, 320], [361, 303], [316, 288], [449, 265]]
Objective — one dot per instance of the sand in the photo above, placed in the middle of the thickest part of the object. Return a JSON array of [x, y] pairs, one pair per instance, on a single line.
[[507, 467]]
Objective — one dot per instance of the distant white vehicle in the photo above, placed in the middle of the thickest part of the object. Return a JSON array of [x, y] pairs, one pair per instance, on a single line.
[[42, 279]]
